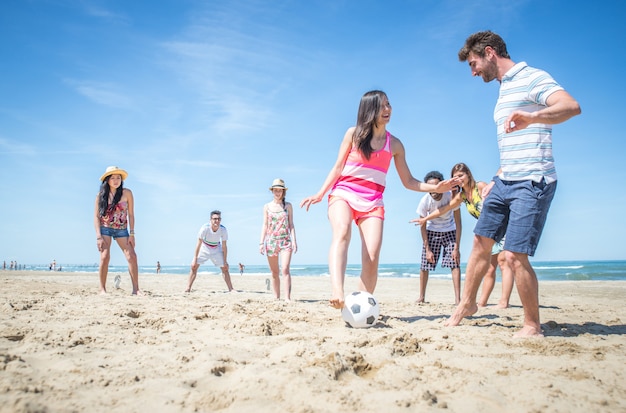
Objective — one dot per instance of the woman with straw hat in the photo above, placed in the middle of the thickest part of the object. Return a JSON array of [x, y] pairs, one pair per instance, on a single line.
[[115, 218], [278, 237]]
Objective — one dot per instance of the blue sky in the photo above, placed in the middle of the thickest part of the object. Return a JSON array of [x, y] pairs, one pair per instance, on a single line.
[[204, 103]]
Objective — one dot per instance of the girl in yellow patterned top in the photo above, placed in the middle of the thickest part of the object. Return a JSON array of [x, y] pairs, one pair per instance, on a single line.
[[470, 193]]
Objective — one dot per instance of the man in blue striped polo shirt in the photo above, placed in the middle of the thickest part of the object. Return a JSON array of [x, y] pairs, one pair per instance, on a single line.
[[519, 196]]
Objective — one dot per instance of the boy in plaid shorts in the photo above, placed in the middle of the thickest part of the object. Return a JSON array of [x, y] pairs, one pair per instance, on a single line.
[[439, 233]]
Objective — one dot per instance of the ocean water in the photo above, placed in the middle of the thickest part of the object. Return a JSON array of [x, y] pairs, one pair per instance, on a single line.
[[546, 270]]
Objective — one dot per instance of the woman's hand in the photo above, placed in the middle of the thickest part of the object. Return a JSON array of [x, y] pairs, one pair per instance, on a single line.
[[447, 185], [307, 202]]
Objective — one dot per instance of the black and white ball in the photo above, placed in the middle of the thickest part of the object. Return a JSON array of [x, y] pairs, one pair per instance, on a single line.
[[361, 310]]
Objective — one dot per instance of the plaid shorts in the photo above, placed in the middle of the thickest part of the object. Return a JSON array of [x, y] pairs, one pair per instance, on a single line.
[[438, 241]]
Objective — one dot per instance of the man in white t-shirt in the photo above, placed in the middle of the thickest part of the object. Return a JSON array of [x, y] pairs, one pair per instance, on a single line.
[[442, 233], [211, 245]]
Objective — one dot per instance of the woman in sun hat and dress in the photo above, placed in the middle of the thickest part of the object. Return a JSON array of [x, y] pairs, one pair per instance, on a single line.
[[114, 218], [278, 237]]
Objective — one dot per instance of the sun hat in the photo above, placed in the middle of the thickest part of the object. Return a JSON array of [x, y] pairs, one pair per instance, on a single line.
[[278, 183], [112, 170]]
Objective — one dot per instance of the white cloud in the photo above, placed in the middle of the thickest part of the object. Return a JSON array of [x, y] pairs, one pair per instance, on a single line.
[[106, 94]]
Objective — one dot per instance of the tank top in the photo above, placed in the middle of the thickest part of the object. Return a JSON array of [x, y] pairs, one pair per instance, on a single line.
[[277, 224], [475, 204], [115, 217], [362, 181]]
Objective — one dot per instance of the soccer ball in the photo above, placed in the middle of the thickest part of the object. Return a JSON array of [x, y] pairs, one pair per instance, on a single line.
[[361, 310]]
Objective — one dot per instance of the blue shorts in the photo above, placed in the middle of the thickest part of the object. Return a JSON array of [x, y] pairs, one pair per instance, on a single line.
[[517, 209], [115, 233]]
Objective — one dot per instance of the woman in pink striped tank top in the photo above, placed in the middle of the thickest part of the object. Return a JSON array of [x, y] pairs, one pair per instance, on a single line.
[[356, 183]]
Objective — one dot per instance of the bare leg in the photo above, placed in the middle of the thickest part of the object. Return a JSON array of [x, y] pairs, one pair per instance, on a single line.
[[423, 283], [192, 277], [105, 257], [528, 289], [371, 230], [477, 266], [285, 260], [273, 263], [340, 217], [507, 281], [456, 280], [226, 275], [131, 257], [489, 281]]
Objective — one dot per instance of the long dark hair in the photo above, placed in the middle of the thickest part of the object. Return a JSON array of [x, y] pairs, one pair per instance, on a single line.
[[369, 109], [103, 196]]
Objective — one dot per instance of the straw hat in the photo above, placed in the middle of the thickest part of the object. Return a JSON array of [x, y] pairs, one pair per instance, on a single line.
[[278, 183], [112, 170]]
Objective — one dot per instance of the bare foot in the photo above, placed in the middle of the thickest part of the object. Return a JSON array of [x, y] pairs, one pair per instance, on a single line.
[[460, 313], [337, 303], [482, 305], [103, 292], [502, 305], [188, 290], [420, 300], [528, 331], [337, 299]]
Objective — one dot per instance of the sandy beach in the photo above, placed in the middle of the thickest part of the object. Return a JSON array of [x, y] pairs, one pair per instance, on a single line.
[[64, 348]]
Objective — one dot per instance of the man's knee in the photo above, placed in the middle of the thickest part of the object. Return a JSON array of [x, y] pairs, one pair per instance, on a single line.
[[482, 245], [515, 259]]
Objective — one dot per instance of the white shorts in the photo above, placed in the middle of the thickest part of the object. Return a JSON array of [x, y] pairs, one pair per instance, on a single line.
[[216, 256]]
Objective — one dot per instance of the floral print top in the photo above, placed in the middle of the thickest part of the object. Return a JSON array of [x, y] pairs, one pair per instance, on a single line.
[[277, 224], [115, 217]]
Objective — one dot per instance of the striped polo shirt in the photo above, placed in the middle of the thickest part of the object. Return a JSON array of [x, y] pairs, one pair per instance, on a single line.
[[362, 181], [525, 154]]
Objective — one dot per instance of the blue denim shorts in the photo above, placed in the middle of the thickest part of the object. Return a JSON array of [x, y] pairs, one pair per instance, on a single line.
[[115, 233], [517, 209]]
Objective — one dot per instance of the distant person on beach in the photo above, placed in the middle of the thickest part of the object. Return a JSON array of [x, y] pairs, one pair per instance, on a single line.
[[241, 268], [441, 233], [115, 218], [356, 183], [211, 245], [529, 103], [278, 237], [470, 194], [158, 267]]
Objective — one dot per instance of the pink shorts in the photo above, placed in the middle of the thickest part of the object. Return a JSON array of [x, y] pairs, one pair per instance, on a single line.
[[378, 212]]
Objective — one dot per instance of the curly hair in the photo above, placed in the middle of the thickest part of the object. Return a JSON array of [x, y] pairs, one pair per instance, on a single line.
[[477, 43]]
